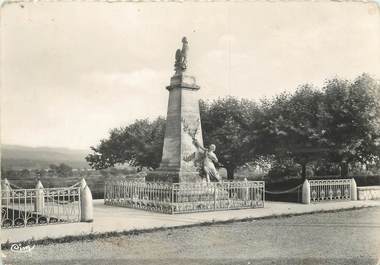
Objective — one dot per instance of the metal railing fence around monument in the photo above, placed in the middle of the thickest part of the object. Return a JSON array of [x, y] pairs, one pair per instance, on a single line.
[[27, 207], [175, 198], [333, 189]]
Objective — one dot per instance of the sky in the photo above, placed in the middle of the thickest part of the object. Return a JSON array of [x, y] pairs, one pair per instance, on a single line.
[[72, 71]]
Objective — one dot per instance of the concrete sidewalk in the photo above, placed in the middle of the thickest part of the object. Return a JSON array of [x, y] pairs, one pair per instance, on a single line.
[[118, 219]]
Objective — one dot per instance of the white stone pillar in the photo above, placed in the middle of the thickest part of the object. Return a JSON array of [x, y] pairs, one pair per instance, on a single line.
[[86, 202], [306, 192], [354, 190], [39, 202], [5, 192], [83, 183]]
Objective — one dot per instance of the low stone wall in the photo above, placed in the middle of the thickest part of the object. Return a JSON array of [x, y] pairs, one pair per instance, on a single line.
[[369, 193]]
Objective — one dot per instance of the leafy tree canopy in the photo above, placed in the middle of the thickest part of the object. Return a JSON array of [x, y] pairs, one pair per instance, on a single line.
[[293, 125], [62, 170], [352, 119], [227, 123], [339, 123], [139, 144]]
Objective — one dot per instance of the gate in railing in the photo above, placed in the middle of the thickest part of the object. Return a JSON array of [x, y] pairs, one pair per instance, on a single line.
[[24, 207], [185, 197], [335, 189]]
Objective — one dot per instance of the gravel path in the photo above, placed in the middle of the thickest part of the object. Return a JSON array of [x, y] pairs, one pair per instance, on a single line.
[[349, 237]]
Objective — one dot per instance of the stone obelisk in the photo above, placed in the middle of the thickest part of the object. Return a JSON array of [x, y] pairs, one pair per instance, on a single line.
[[180, 161]]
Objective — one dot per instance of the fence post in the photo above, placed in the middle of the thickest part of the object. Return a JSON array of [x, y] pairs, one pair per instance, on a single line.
[[246, 190], [214, 196], [263, 196], [105, 193], [39, 203], [354, 191], [172, 198], [306, 192], [5, 192], [86, 207]]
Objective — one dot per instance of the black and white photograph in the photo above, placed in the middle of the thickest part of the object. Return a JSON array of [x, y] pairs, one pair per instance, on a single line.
[[190, 132]]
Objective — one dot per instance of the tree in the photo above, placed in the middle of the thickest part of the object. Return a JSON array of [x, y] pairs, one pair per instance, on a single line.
[[25, 173], [64, 170], [294, 126], [53, 168], [339, 123], [139, 144], [226, 123], [352, 120], [39, 172], [61, 170]]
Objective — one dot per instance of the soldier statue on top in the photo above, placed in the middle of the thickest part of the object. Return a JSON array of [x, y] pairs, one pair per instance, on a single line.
[[181, 57]]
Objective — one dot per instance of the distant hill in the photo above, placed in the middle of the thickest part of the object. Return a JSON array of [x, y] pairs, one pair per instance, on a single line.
[[20, 157]]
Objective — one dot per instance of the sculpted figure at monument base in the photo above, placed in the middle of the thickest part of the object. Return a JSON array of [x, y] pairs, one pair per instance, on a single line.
[[209, 158]]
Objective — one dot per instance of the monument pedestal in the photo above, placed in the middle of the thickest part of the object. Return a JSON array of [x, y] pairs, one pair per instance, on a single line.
[[162, 175], [180, 157]]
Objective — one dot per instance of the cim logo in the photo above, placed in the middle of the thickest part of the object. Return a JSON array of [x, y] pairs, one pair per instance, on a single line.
[[21, 249]]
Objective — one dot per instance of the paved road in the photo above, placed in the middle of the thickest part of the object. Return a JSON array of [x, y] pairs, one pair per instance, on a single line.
[[349, 237]]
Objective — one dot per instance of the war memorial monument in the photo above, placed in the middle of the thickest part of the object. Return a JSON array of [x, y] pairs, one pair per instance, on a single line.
[[183, 158], [186, 180]]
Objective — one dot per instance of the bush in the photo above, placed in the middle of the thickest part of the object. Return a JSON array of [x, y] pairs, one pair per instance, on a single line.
[[367, 180]]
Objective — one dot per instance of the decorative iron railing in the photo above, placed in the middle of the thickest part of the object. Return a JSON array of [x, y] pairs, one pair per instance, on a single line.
[[25, 207], [175, 198], [335, 189]]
